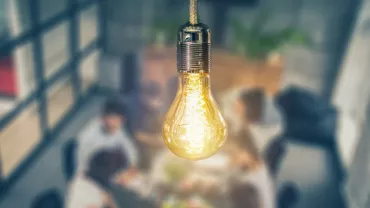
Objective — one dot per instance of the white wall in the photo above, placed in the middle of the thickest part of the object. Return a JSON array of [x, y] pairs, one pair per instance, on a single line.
[[353, 88], [358, 184], [352, 98]]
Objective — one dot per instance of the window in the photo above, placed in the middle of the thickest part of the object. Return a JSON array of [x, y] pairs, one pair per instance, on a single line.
[[39, 56]]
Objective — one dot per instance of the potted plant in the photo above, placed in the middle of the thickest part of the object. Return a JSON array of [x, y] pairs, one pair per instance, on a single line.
[[164, 32]]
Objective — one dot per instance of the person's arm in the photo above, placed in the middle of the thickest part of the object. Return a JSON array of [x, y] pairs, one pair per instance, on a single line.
[[128, 147], [149, 139]]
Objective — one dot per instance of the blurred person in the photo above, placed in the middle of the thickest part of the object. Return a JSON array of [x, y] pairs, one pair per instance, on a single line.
[[260, 115], [239, 122], [154, 70], [107, 132], [248, 167], [230, 106], [91, 188], [149, 114], [245, 196], [147, 108]]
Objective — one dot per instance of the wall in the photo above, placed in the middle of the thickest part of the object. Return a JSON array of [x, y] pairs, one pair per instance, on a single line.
[[358, 184], [353, 88], [352, 97]]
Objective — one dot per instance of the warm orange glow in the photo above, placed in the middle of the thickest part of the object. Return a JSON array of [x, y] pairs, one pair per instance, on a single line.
[[194, 127]]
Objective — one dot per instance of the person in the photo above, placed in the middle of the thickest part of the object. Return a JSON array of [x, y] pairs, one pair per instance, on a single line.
[[107, 132], [247, 167], [245, 196], [147, 115], [260, 115], [90, 188]]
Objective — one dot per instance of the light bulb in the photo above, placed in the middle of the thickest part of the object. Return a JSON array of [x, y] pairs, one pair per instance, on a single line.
[[194, 128]]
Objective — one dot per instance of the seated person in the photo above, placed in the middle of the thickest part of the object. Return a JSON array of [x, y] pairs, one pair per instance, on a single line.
[[90, 188], [107, 132], [245, 196], [248, 167], [261, 109], [260, 115], [147, 118]]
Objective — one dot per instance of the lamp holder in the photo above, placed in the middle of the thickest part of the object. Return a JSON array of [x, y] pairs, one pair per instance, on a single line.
[[193, 44]]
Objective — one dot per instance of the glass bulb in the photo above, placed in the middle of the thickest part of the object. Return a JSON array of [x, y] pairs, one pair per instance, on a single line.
[[194, 127]]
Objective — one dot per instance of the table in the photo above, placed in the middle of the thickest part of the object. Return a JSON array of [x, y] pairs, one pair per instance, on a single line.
[[213, 171]]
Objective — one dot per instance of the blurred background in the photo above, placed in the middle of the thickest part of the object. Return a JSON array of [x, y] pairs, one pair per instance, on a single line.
[[61, 59]]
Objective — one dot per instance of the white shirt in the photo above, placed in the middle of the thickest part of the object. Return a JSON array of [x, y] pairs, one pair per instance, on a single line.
[[84, 193], [93, 139]]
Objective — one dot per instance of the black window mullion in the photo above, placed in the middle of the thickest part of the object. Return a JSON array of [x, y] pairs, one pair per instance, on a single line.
[[102, 20], [39, 68], [74, 44]]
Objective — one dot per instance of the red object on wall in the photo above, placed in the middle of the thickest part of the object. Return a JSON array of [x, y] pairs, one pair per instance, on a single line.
[[8, 84]]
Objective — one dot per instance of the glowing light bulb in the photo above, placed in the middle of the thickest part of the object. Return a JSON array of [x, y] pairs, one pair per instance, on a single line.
[[194, 127]]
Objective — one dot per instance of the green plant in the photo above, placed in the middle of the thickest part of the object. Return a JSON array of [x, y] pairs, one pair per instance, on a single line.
[[165, 30], [258, 44]]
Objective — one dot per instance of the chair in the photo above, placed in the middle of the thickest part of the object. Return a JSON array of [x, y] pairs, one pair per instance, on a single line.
[[1, 174], [48, 199], [274, 155], [69, 159], [288, 196]]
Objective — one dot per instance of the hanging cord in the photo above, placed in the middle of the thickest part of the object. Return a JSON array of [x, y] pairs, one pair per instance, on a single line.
[[193, 12]]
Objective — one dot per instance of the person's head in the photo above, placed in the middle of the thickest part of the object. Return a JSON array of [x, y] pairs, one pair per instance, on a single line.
[[113, 115], [250, 104], [245, 196], [151, 95], [106, 163]]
